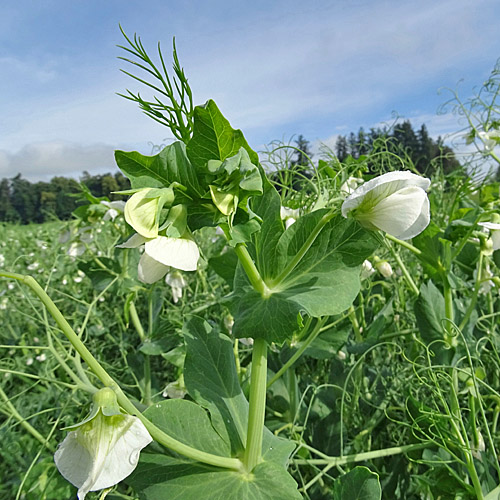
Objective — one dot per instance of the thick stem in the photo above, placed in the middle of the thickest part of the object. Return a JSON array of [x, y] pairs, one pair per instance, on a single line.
[[257, 410], [251, 270], [156, 433]]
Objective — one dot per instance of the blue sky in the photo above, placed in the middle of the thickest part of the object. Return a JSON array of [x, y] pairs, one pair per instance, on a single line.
[[275, 69]]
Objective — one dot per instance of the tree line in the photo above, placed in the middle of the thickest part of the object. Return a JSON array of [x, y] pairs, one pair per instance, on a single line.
[[25, 202], [384, 144]]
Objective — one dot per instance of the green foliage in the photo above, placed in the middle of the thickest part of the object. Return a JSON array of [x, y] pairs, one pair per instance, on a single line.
[[358, 484], [214, 138], [329, 268]]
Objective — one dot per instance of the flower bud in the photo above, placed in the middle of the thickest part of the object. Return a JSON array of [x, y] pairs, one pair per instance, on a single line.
[[384, 268]]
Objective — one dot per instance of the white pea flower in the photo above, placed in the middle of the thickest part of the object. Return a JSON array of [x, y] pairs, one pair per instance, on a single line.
[[289, 215], [366, 269], [494, 229], [33, 267], [395, 202], [42, 357], [79, 278], [248, 341], [29, 361], [177, 283], [115, 208], [2, 260], [161, 253], [384, 268], [76, 249], [102, 450], [350, 185], [490, 139]]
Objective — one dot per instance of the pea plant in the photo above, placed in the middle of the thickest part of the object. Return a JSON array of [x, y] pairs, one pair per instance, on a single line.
[[299, 278]]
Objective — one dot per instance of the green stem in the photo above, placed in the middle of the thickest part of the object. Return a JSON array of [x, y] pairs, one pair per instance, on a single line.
[[298, 353], [146, 391], [477, 286], [251, 270], [450, 339], [403, 268], [358, 457], [156, 433], [405, 244], [257, 409], [22, 421], [304, 249], [355, 324], [459, 428], [361, 457], [136, 321]]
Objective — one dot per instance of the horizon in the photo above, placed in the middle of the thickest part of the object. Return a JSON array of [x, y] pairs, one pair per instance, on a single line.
[[275, 72]]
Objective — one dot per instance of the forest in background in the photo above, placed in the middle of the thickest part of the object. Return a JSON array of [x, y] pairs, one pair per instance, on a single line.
[[24, 202]]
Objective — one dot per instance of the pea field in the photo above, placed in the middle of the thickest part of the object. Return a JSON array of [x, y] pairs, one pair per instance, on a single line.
[[245, 327]]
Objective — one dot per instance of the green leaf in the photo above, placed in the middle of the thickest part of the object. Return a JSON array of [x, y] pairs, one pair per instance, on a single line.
[[169, 166], [242, 233], [189, 423], [327, 344], [430, 312], [159, 477], [493, 494], [225, 265], [358, 484], [214, 138], [237, 170], [212, 381], [325, 282], [267, 207]]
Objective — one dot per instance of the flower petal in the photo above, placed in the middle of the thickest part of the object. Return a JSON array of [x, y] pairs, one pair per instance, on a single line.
[[150, 270], [382, 187], [420, 224], [399, 212], [180, 253], [101, 453], [141, 213], [136, 240]]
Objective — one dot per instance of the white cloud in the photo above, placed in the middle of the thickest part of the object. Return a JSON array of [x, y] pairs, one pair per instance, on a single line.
[[42, 161]]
